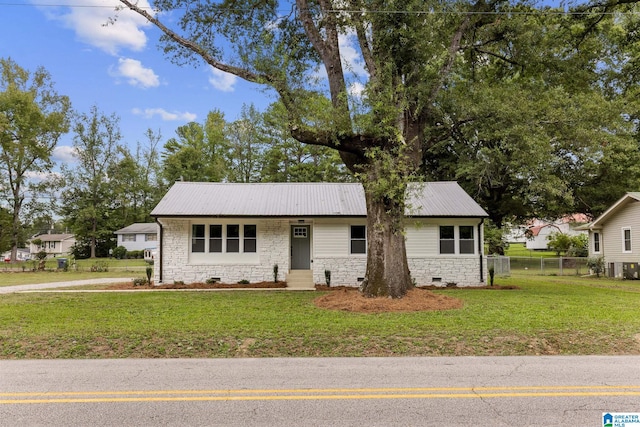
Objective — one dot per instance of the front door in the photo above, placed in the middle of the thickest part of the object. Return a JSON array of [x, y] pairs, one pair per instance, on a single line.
[[300, 247]]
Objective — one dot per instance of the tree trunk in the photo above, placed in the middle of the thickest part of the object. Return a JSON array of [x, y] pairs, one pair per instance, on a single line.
[[387, 267]]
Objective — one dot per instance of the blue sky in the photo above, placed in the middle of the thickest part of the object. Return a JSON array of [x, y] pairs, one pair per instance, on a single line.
[[118, 68]]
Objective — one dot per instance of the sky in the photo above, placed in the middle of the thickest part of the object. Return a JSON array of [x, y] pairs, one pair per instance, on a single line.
[[118, 68]]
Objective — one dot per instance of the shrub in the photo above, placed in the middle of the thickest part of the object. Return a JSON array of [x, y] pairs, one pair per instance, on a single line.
[[138, 281], [596, 265], [120, 252], [327, 277], [243, 282], [211, 281], [100, 266], [275, 273], [149, 272]]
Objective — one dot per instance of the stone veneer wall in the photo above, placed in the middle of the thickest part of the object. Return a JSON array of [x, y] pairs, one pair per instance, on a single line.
[[273, 248], [464, 271]]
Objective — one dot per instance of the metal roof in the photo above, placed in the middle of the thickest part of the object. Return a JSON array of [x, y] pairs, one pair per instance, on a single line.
[[139, 228], [48, 237], [433, 199]]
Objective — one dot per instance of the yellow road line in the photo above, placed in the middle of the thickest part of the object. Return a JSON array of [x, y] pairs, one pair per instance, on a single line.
[[316, 394]]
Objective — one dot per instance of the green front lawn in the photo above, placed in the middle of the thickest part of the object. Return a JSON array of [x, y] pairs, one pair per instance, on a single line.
[[550, 315]]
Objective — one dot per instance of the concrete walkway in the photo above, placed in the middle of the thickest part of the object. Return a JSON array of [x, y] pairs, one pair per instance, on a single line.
[[53, 285]]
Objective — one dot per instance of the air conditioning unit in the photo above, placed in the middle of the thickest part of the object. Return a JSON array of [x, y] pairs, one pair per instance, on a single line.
[[631, 270]]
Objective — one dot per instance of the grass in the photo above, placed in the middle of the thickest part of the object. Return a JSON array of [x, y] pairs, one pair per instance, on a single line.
[[550, 315], [11, 275], [520, 250]]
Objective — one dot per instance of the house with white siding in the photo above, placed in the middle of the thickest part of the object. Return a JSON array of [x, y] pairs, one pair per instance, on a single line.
[[230, 232], [138, 236], [615, 236], [54, 244]]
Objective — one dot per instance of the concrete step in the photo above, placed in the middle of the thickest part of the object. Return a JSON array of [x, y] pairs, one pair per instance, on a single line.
[[300, 279]]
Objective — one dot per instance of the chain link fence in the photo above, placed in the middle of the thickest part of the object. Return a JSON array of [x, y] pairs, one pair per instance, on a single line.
[[561, 266]]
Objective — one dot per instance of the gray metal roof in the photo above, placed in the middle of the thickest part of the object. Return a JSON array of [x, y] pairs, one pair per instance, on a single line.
[[139, 228], [433, 199]]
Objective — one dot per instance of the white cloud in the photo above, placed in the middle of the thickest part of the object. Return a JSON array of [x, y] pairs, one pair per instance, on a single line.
[[222, 81], [64, 154], [165, 115], [356, 89], [135, 73], [351, 58], [43, 176], [90, 21]]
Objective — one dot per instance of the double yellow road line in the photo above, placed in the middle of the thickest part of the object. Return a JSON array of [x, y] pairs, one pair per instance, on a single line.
[[9, 398]]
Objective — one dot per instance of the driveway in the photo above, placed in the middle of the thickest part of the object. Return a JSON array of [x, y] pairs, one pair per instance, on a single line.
[[40, 286]]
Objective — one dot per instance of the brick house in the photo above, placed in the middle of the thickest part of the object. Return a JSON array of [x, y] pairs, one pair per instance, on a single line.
[[232, 232]]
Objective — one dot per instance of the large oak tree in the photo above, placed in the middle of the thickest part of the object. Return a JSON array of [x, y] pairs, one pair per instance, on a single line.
[[412, 50]]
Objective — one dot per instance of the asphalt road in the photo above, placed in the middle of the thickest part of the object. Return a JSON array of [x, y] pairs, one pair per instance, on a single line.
[[447, 391]]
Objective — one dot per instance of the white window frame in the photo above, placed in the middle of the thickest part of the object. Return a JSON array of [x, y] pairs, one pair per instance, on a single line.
[[357, 239], [456, 240], [597, 242], [129, 237], [624, 241], [151, 237], [240, 238]]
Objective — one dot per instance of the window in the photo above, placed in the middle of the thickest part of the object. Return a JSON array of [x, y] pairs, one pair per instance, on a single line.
[[197, 238], [250, 238], [220, 238], [128, 237], [358, 239], [233, 238], [300, 232], [150, 237], [626, 240], [447, 239], [596, 243], [215, 238], [466, 239]]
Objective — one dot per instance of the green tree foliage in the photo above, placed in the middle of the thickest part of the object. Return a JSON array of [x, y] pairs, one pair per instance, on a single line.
[[532, 128], [576, 245], [432, 67], [136, 181], [32, 119], [88, 200], [198, 152], [247, 146], [288, 160]]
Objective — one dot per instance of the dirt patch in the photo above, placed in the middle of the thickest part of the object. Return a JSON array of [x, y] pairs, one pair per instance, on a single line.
[[200, 285], [350, 299]]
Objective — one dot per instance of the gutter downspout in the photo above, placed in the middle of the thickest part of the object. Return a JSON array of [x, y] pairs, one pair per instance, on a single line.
[[480, 249], [160, 251]]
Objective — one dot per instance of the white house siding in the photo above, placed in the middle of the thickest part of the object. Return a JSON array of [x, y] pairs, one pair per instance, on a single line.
[[427, 266], [329, 251], [140, 243], [612, 240], [179, 264]]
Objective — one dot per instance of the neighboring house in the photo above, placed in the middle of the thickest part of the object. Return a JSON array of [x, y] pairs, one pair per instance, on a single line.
[[232, 232], [52, 244], [615, 236], [539, 231], [22, 254], [139, 236]]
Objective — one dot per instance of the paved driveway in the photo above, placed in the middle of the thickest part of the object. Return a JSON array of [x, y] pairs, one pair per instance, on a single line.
[[39, 286]]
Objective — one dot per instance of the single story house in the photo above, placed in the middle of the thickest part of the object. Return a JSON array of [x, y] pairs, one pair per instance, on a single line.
[[231, 232], [139, 236], [615, 236], [53, 244], [538, 232]]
